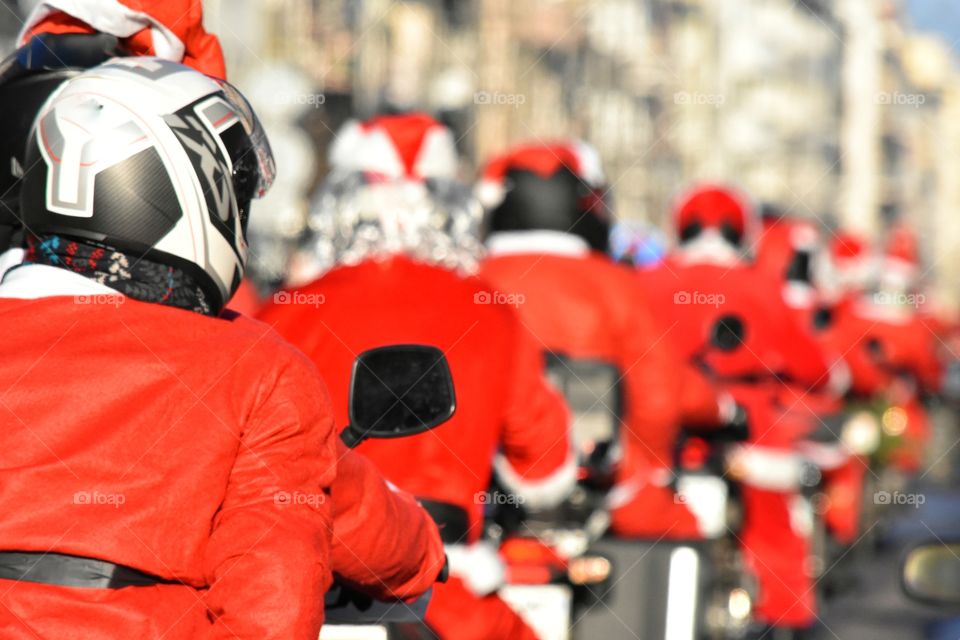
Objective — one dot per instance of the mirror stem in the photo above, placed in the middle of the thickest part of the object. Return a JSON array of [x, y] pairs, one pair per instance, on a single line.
[[351, 437]]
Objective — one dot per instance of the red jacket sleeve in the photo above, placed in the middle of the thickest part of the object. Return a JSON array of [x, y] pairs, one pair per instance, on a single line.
[[384, 544], [268, 556], [537, 462]]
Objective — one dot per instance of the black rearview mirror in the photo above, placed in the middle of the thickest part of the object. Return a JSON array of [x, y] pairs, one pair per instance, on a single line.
[[399, 390], [931, 573], [727, 333]]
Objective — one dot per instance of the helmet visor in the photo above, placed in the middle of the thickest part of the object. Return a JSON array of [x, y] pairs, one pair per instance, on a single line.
[[256, 170]]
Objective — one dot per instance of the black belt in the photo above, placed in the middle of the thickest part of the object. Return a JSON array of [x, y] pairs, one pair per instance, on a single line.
[[453, 522], [72, 571]]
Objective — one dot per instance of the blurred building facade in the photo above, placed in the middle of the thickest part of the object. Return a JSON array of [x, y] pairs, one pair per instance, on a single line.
[[833, 110]]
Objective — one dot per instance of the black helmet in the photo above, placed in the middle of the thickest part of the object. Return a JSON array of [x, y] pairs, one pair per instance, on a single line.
[[555, 187]]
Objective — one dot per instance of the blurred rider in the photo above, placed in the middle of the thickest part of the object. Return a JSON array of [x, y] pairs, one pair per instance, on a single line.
[[549, 222], [389, 253], [770, 372]]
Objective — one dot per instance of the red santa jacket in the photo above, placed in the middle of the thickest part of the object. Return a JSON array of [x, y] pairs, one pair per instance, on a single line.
[[503, 400], [195, 449], [692, 297], [582, 305]]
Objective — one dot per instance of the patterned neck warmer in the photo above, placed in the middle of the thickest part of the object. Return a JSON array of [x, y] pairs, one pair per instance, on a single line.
[[140, 279]]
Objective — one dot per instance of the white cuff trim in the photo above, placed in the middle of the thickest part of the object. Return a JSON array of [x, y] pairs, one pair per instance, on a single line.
[[479, 566], [542, 493], [538, 241]]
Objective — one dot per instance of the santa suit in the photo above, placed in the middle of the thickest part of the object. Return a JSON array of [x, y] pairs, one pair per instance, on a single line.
[[881, 344], [787, 255], [691, 298], [403, 564], [198, 450], [503, 400], [580, 304]]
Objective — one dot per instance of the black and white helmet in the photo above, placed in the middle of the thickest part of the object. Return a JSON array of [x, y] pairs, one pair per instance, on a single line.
[[154, 159]]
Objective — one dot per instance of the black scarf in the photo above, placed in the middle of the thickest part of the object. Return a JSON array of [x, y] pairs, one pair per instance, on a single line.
[[140, 279]]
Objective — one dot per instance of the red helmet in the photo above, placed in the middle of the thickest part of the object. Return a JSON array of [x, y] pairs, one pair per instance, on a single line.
[[558, 186], [712, 222]]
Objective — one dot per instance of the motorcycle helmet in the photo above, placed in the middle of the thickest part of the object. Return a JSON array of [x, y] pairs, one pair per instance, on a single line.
[[556, 187], [150, 158], [712, 223]]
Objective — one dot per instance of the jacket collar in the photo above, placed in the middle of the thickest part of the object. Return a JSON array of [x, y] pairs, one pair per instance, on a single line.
[[539, 242]]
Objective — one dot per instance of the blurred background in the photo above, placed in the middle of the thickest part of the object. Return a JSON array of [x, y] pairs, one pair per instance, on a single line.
[[843, 111]]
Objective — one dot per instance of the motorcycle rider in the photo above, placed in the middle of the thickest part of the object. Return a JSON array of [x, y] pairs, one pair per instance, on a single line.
[[885, 340], [705, 278], [158, 469], [389, 258], [361, 500], [549, 223]]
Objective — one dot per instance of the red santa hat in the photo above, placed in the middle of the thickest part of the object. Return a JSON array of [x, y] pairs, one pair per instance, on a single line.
[[410, 146], [169, 29]]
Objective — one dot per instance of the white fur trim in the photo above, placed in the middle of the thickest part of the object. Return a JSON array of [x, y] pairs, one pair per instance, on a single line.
[[10, 258], [539, 241], [490, 193], [32, 281], [113, 17], [345, 144], [708, 248], [544, 492], [479, 566], [825, 456], [767, 468], [437, 157], [591, 169]]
